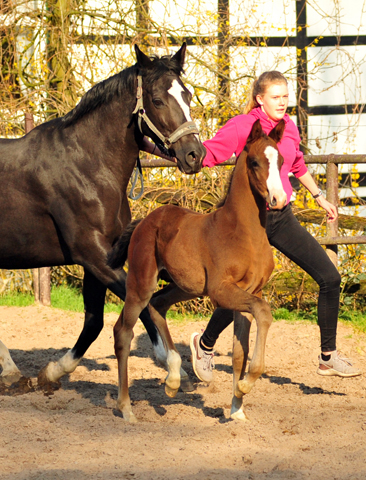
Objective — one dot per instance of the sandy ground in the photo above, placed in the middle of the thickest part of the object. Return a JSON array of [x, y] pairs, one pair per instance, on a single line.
[[301, 425]]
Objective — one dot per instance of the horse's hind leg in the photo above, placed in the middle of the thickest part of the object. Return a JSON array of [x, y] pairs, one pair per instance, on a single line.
[[242, 324], [94, 295], [231, 296], [173, 361], [161, 302], [7, 363]]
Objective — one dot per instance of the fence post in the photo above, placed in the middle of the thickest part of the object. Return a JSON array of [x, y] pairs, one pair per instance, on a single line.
[[41, 276], [332, 197]]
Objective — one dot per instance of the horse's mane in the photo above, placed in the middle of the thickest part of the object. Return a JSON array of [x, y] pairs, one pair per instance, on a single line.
[[103, 92]]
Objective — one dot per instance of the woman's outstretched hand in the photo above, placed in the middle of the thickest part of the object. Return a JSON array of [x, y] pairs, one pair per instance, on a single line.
[[331, 209]]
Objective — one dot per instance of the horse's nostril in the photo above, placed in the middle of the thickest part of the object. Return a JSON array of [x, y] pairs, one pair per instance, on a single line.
[[191, 157], [273, 202]]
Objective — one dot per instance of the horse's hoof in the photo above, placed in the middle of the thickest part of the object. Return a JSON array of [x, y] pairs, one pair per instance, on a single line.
[[171, 392], [239, 415], [45, 384], [13, 385], [186, 385], [10, 378], [244, 386]]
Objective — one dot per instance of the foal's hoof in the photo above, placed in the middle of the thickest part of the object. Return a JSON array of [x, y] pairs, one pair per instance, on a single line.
[[239, 415], [186, 385], [171, 392], [129, 416]]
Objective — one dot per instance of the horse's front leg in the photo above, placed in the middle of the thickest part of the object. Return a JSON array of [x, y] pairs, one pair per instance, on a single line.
[[94, 295], [242, 324]]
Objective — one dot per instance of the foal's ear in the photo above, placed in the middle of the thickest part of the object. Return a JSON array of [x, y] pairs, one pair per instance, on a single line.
[[142, 59], [181, 54], [256, 132], [277, 132]]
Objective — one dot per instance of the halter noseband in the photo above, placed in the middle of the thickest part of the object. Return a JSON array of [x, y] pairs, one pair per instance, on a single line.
[[185, 129]]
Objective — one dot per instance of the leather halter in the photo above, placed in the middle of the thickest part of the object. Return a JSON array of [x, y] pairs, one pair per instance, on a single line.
[[185, 129]]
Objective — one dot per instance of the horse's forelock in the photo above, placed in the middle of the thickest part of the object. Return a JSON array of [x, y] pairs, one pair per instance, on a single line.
[[160, 66]]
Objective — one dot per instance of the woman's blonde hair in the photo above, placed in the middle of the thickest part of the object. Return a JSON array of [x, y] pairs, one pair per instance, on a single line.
[[260, 86]]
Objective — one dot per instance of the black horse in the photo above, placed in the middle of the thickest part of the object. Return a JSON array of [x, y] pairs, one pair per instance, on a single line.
[[63, 193]]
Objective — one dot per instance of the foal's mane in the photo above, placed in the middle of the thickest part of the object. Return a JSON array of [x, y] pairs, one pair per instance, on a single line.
[[119, 84]]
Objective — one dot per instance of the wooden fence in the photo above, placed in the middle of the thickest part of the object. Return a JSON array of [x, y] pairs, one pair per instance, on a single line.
[[41, 276], [332, 238]]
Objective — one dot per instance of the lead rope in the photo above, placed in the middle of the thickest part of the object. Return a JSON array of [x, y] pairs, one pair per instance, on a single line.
[[136, 174]]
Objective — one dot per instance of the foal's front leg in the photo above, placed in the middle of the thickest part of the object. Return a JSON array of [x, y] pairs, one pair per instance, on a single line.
[[123, 335]]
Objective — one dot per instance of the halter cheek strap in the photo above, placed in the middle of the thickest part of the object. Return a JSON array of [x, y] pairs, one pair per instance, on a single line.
[[185, 129]]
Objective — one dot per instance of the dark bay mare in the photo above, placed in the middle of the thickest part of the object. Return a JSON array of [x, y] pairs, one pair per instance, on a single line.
[[63, 185], [225, 255]]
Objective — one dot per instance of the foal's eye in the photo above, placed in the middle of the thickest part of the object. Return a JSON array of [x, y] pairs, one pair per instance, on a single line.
[[254, 164], [157, 102]]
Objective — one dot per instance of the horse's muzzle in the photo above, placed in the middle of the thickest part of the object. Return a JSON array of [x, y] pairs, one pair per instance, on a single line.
[[190, 157]]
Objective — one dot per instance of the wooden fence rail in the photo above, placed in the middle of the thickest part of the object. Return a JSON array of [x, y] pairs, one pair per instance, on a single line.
[[41, 276], [332, 238]]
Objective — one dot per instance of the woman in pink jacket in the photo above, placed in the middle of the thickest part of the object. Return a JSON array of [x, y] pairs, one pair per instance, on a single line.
[[268, 103]]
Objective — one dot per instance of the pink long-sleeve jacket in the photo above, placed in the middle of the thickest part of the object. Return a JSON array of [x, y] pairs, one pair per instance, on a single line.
[[231, 139]]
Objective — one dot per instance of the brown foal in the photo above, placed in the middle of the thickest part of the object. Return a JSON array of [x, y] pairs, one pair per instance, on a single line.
[[224, 254]]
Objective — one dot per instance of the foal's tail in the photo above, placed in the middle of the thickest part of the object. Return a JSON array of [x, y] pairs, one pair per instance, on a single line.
[[118, 255]]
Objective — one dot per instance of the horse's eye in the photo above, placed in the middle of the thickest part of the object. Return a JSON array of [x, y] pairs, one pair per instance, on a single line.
[[254, 164], [157, 102]]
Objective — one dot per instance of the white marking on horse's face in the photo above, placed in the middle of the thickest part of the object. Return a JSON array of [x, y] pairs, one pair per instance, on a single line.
[[274, 183], [176, 91]]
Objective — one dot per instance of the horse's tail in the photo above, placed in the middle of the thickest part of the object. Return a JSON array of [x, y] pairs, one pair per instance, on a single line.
[[118, 255]]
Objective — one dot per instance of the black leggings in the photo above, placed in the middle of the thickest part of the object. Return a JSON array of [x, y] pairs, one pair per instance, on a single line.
[[289, 237]]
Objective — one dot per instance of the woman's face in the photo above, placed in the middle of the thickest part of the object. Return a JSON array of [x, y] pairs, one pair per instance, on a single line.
[[274, 101]]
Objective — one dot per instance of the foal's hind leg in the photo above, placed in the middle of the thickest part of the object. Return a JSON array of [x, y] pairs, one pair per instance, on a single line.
[[231, 296], [242, 324], [94, 295]]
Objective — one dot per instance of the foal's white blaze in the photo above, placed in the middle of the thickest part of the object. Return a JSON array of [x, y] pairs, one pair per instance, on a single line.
[[66, 364], [274, 183], [176, 91]]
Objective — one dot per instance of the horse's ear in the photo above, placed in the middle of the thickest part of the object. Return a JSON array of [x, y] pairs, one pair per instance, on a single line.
[[277, 132], [142, 59], [256, 131], [181, 54]]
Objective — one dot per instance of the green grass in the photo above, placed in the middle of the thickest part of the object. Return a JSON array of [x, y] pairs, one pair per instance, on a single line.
[[66, 298], [348, 317], [62, 297]]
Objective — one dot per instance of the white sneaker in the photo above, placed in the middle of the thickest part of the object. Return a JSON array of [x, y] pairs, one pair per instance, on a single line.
[[203, 362]]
